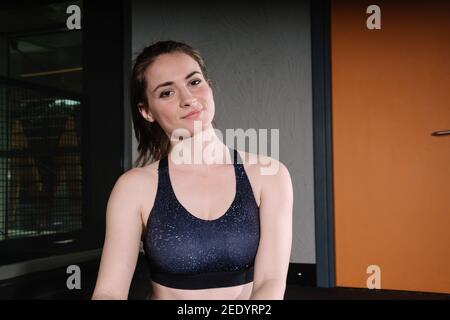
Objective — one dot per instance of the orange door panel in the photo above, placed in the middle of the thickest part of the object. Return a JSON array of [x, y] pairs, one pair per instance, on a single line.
[[390, 91]]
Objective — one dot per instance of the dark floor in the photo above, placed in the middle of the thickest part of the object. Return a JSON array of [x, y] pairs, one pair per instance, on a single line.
[[294, 292]]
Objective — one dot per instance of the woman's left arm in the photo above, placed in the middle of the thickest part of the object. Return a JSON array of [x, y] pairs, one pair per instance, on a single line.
[[272, 259]]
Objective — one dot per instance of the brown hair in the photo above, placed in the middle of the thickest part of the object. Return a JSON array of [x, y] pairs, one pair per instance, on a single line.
[[153, 143]]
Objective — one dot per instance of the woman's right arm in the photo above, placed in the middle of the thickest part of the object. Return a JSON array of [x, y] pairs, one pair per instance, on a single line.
[[122, 239]]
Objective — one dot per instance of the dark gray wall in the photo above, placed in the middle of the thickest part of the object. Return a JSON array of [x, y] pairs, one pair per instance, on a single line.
[[259, 57]]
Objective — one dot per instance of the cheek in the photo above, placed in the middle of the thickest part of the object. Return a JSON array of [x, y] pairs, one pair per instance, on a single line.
[[210, 103], [164, 111], [208, 96]]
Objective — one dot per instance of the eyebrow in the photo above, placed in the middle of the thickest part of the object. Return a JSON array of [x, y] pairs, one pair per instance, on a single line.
[[168, 83]]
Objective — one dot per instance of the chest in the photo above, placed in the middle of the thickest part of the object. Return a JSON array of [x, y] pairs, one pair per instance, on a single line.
[[208, 195], [205, 195]]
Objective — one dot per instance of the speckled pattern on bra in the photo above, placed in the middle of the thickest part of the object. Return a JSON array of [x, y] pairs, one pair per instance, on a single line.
[[187, 252]]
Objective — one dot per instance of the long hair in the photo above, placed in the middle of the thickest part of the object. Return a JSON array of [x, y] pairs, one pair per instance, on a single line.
[[153, 143]]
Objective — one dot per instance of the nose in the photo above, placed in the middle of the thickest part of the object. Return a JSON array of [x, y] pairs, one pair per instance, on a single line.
[[187, 99]]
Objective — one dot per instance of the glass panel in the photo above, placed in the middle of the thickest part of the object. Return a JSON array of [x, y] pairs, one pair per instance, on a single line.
[[52, 59], [41, 162], [40, 122]]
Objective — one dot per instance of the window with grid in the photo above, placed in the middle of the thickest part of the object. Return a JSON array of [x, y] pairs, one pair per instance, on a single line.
[[40, 122]]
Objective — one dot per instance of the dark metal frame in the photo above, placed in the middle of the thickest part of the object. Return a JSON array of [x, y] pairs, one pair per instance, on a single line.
[[103, 80], [323, 153], [127, 127]]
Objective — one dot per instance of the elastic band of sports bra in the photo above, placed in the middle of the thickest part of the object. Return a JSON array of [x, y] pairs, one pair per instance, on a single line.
[[204, 280]]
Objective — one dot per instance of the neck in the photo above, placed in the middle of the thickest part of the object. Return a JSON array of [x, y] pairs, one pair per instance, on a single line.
[[204, 148]]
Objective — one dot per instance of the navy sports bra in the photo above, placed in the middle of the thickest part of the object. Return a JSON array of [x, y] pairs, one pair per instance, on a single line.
[[186, 252]]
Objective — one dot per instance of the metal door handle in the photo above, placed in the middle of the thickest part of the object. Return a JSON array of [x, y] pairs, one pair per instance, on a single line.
[[441, 133]]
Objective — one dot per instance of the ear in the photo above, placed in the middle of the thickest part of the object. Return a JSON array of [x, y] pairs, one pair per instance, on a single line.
[[145, 112]]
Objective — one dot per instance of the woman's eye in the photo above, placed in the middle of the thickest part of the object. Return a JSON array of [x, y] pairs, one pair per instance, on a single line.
[[195, 82], [165, 94]]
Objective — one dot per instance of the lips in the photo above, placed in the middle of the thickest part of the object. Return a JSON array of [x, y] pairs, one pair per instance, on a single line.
[[192, 113]]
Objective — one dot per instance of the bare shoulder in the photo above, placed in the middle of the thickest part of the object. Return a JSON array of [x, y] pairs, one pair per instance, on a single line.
[[140, 175], [265, 174], [138, 185], [264, 167]]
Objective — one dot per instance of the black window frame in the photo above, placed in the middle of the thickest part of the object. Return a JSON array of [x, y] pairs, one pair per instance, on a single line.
[[106, 133]]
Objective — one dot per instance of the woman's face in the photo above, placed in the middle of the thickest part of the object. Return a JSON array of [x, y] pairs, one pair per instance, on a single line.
[[175, 89]]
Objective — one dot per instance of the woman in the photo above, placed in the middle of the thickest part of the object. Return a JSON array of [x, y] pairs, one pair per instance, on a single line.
[[217, 229]]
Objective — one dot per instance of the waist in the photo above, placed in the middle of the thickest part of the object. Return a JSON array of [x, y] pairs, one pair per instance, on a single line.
[[207, 280], [240, 292]]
